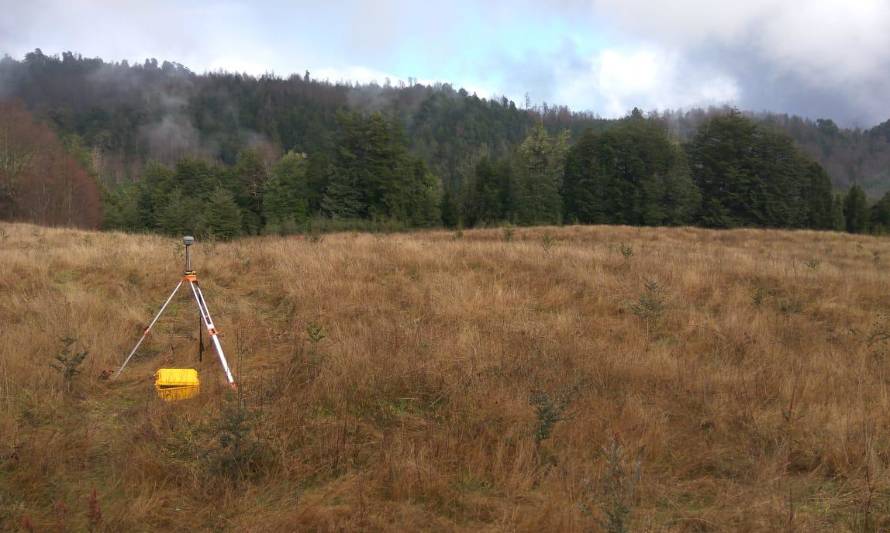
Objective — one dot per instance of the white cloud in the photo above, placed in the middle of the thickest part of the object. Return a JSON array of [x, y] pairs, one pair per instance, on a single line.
[[824, 41], [616, 80], [814, 57]]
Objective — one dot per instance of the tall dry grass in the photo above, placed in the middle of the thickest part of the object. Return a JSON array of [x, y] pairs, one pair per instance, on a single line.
[[574, 379]]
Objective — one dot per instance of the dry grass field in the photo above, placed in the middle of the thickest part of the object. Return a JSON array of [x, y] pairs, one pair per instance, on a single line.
[[546, 379]]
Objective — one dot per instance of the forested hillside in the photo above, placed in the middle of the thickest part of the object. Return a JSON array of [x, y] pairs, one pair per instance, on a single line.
[[850, 156], [229, 154], [130, 114]]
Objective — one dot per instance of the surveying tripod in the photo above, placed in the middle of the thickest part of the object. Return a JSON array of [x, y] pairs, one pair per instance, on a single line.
[[191, 277]]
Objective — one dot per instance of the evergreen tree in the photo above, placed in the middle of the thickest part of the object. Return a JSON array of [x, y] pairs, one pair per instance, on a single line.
[[682, 198], [222, 216], [373, 177], [584, 193], [820, 199], [449, 209], [353, 169], [318, 171], [749, 176], [539, 167], [423, 201], [285, 204], [196, 178], [151, 194], [248, 182], [880, 215], [343, 197], [122, 209], [632, 174], [486, 196], [178, 215], [838, 222], [856, 210]]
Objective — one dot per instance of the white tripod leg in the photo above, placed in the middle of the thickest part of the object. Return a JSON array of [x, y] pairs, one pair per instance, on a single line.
[[145, 333], [211, 330]]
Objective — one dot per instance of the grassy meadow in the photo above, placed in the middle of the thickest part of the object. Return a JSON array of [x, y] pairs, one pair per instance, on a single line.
[[542, 379]]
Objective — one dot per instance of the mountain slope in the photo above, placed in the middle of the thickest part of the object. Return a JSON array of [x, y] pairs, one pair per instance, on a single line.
[[128, 114]]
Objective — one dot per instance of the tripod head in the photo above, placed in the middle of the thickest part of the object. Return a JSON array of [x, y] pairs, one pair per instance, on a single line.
[[188, 240]]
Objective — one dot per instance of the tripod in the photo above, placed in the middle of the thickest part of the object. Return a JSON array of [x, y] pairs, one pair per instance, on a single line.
[[191, 277]]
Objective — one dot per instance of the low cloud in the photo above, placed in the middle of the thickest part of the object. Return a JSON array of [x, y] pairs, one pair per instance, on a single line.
[[819, 58]]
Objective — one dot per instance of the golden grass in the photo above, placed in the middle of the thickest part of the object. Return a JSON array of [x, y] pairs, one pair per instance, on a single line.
[[746, 389]]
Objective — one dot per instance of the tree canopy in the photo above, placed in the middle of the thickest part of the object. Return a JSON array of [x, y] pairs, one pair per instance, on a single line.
[[155, 147]]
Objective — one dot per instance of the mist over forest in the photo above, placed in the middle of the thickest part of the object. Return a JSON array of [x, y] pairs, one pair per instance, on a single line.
[[132, 125]]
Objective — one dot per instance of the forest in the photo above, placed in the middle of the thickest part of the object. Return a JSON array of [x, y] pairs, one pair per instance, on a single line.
[[154, 147]]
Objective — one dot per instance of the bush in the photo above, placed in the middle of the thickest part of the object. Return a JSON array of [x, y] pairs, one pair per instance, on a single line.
[[237, 454]]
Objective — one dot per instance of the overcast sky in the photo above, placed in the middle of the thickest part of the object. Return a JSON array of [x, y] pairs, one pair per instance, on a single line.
[[818, 58]]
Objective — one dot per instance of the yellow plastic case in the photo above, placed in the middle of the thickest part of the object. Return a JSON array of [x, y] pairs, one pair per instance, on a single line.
[[177, 383]]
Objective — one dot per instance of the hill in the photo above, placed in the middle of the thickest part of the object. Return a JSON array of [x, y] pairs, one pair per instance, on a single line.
[[129, 114], [518, 379]]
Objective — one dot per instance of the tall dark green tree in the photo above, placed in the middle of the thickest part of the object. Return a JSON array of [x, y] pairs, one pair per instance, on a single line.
[[222, 216], [838, 222], [179, 215], [820, 198], [423, 196], [285, 194], [880, 215], [372, 175], [151, 194], [361, 161], [539, 166], [122, 208], [856, 212], [249, 181], [748, 175], [585, 196], [682, 197], [632, 174], [450, 209], [488, 196]]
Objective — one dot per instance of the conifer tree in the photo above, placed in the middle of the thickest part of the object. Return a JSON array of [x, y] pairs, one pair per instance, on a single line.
[[632, 174], [856, 210], [752, 176], [584, 185], [820, 199], [838, 222], [486, 196], [249, 180], [880, 215], [540, 160], [285, 204], [423, 201], [222, 216], [122, 208], [177, 216], [372, 175]]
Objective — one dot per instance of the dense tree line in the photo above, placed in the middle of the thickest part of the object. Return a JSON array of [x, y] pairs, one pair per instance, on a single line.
[[226, 154], [370, 177], [849, 155], [732, 173], [633, 173]]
